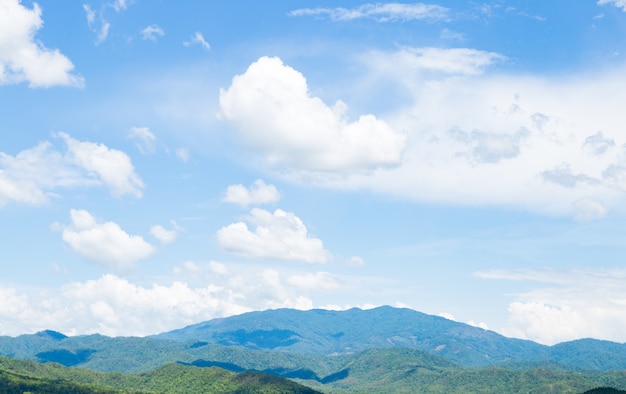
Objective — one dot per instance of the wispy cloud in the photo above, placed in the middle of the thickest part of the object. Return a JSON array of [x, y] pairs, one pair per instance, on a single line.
[[152, 32], [198, 39], [144, 139], [97, 19], [381, 12]]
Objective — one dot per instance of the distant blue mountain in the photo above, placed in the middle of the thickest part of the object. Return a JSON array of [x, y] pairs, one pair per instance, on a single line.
[[312, 340], [340, 332]]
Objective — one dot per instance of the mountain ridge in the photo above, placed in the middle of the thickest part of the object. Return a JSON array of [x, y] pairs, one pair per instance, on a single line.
[[314, 332]]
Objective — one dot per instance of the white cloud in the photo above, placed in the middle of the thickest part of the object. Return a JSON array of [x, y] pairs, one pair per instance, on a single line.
[[447, 315], [617, 3], [381, 12], [481, 324], [114, 306], [151, 32], [145, 139], [259, 193], [198, 39], [485, 138], [277, 117], [569, 305], [98, 25], [97, 22], [30, 175], [104, 243], [411, 63], [112, 166], [25, 59], [164, 235], [280, 235]]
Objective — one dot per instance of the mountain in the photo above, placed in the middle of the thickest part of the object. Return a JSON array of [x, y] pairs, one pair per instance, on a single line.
[[290, 334], [378, 350], [340, 332]]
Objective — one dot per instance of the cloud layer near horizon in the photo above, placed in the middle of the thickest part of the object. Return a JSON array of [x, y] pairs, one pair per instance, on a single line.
[[114, 306], [570, 304]]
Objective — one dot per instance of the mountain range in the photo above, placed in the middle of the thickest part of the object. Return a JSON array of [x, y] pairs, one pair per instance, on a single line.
[[375, 350]]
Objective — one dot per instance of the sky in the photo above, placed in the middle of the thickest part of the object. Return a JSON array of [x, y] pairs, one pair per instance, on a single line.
[[164, 163]]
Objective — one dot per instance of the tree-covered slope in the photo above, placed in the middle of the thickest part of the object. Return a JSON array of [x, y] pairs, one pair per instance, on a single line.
[[19, 376], [389, 370]]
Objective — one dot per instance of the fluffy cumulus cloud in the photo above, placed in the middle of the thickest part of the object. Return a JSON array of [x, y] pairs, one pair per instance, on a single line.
[[104, 243], [258, 193], [30, 175], [277, 117], [571, 304], [478, 136], [470, 135], [279, 235], [113, 167], [25, 59], [381, 12]]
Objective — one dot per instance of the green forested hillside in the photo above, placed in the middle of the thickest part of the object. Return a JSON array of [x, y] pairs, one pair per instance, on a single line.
[[373, 371], [18, 376]]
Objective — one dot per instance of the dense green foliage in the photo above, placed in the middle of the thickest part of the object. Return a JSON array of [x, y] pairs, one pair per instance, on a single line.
[[18, 376], [391, 370]]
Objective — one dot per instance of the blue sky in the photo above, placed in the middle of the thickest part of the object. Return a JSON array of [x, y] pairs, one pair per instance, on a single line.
[[164, 163]]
